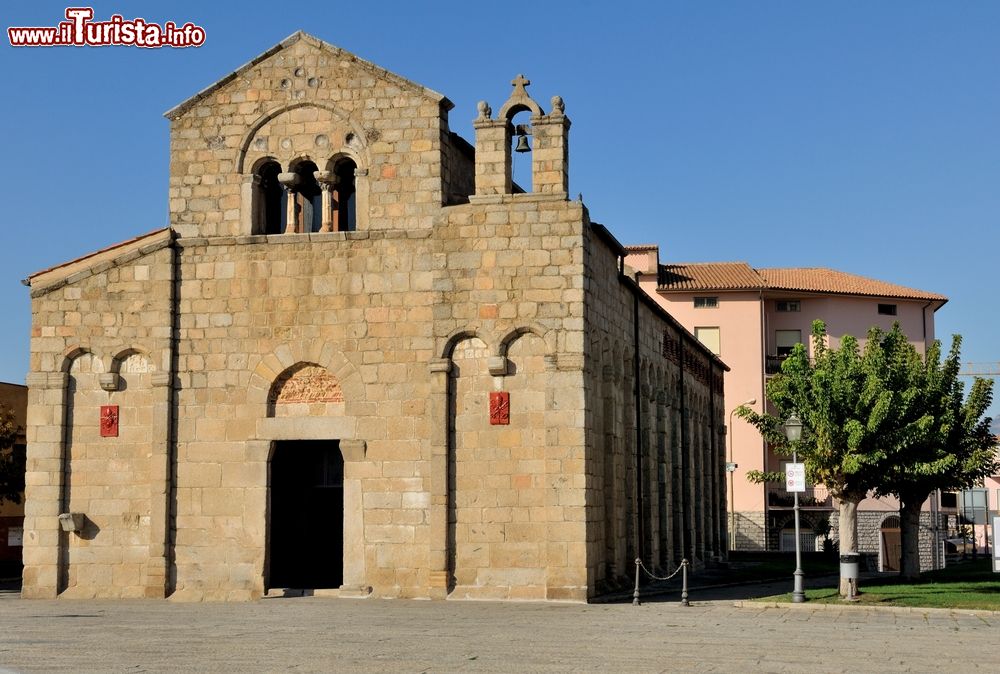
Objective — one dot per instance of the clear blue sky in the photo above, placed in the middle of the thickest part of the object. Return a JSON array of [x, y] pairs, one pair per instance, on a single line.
[[863, 136]]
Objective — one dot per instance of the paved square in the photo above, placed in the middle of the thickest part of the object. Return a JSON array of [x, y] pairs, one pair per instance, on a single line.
[[323, 634]]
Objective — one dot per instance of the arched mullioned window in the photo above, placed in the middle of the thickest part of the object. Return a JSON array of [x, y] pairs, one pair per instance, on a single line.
[[268, 199], [322, 201]]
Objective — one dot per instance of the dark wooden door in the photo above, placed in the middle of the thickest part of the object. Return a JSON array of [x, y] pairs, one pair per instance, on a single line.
[[892, 549], [307, 515]]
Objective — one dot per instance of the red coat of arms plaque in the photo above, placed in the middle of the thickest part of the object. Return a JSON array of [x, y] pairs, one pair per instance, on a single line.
[[499, 408], [109, 421]]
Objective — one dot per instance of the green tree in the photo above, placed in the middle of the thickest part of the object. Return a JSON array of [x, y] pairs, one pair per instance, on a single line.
[[949, 444], [849, 413], [11, 462]]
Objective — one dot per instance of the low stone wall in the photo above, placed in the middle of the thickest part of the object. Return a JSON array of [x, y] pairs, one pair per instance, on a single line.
[[870, 536], [750, 531]]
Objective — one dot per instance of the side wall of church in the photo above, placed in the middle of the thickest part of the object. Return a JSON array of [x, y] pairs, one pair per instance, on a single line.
[[665, 502]]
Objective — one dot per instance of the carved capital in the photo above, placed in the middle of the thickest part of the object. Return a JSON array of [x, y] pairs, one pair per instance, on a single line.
[[327, 179], [289, 180]]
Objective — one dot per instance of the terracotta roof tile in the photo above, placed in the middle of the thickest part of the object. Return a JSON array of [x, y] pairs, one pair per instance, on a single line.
[[709, 276], [741, 276], [818, 279]]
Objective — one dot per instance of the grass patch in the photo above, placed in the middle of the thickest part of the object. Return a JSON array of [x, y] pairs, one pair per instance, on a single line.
[[969, 584]]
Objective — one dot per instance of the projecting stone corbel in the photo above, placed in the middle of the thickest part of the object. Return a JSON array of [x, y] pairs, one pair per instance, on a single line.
[[353, 450], [497, 366], [109, 381]]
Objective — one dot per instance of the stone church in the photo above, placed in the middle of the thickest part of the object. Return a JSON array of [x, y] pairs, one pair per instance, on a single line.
[[363, 360]]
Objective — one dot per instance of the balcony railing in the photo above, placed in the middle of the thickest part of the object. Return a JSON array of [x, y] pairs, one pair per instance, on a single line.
[[772, 364], [814, 497]]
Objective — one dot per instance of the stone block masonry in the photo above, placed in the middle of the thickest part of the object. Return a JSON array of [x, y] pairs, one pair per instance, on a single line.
[[353, 322]]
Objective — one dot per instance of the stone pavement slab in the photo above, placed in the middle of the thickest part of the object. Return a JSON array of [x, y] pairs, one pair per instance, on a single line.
[[343, 635]]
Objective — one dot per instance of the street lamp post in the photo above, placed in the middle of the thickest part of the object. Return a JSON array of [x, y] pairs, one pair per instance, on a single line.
[[793, 432], [731, 469]]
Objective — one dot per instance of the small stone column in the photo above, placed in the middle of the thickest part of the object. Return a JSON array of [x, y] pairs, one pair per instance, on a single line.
[[290, 181], [328, 184], [438, 518]]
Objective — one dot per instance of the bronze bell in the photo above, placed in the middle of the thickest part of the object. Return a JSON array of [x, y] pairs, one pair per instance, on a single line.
[[522, 143]]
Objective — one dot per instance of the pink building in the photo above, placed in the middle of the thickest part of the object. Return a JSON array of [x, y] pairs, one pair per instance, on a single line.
[[752, 318]]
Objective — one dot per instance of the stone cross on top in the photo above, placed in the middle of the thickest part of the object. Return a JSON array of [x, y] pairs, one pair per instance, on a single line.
[[520, 82]]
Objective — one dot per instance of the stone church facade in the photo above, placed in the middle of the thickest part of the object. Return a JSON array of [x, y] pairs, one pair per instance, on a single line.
[[361, 358]]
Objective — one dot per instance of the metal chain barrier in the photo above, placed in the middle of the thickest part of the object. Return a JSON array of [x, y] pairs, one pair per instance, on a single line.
[[684, 580]]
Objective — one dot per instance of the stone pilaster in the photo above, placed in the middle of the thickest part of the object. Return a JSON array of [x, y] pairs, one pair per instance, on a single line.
[[550, 155], [493, 159], [438, 575], [158, 562], [355, 583], [45, 483]]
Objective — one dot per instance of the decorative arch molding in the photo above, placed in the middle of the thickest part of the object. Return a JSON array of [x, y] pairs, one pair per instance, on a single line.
[[323, 354], [359, 154], [532, 328], [469, 332], [72, 353], [125, 354]]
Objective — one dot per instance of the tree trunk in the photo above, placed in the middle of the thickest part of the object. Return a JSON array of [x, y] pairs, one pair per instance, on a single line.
[[909, 536], [848, 528]]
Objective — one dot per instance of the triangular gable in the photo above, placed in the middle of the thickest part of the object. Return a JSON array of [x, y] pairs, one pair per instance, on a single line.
[[179, 110], [47, 280]]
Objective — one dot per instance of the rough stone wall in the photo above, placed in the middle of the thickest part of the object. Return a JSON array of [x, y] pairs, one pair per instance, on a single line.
[[307, 101], [751, 531], [387, 339], [677, 508], [870, 536], [458, 171], [514, 281], [85, 337], [499, 515]]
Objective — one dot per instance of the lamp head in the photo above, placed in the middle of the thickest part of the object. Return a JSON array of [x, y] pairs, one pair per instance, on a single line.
[[793, 428]]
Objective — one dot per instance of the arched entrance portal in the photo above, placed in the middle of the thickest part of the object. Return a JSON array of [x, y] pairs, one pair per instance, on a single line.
[[306, 542]]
